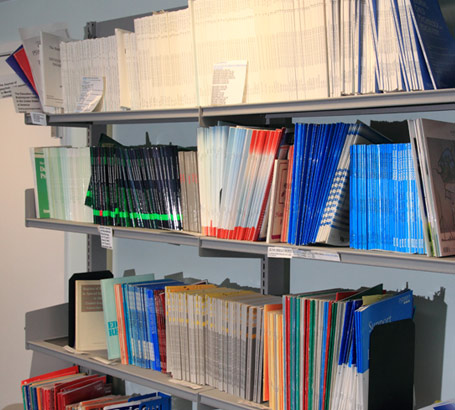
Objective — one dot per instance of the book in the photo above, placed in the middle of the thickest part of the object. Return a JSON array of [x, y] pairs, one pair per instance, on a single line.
[[45, 392], [192, 186], [318, 148], [109, 310], [61, 176], [43, 377], [89, 318], [31, 39], [96, 388], [277, 201], [50, 64], [62, 388], [284, 229], [144, 321], [101, 402], [176, 328], [235, 173], [39, 174], [435, 152], [120, 312], [97, 275], [269, 352], [139, 327], [316, 333], [384, 209], [135, 186]]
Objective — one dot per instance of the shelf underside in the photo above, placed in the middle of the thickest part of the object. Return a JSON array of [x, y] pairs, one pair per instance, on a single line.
[[222, 247], [390, 103], [144, 377]]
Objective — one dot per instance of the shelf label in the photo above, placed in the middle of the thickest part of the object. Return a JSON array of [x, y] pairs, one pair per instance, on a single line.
[[92, 89], [38, 118], [228, 84], [279, 252], [316, 255], [106, 236]]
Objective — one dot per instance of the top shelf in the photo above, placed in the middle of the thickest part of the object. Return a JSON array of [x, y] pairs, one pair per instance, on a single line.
[[400, 102]]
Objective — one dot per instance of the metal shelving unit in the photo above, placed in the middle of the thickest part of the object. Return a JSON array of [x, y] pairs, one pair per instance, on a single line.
[[275, 271]]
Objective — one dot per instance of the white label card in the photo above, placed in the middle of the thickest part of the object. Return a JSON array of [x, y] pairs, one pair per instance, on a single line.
[[38, 118], [25, 100], [228, 85], [106, 236], [317, 255], [279, 252], [92, 90]]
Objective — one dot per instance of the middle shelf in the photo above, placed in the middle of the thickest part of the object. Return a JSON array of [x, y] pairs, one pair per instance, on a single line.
[[222, 247]]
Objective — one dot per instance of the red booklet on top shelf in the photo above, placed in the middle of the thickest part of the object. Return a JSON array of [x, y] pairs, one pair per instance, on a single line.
[[22, 60]]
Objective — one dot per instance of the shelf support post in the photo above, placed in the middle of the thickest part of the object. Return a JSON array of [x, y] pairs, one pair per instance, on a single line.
[[96, 255], [199, 406], [275, 276]]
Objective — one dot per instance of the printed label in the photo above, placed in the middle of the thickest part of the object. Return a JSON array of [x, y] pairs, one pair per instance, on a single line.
[[106, 237], [279, 252]]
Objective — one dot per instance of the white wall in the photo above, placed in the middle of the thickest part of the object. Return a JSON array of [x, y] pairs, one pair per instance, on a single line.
[[434, 316], [31, 264]]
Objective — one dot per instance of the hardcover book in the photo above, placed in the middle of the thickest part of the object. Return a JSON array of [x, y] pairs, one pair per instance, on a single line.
[[97, 275], [89, 319]]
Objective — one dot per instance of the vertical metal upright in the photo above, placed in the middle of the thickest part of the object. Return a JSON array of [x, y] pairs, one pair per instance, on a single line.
[[275, 276], [96, 255]]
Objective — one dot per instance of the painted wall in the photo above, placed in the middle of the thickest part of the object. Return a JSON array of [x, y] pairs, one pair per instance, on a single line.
[[32, 261], [435, 356]]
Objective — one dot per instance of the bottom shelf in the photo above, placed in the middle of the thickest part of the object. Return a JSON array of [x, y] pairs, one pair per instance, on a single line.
[[145, 377]]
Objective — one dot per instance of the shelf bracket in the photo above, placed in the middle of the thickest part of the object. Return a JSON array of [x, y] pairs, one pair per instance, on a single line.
[[96, 255], [275, 276]]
